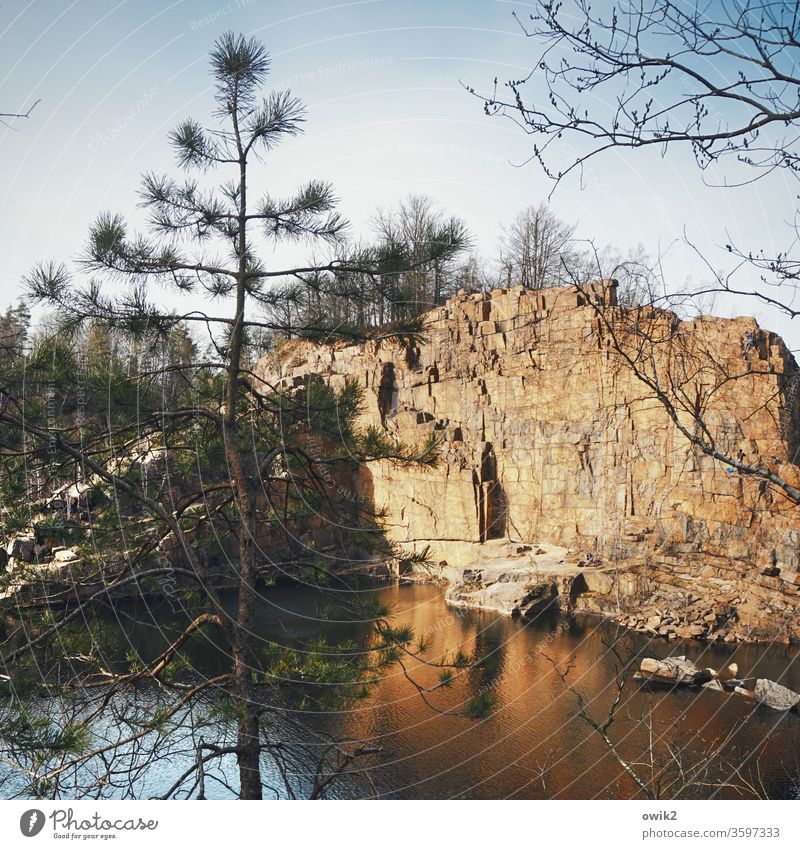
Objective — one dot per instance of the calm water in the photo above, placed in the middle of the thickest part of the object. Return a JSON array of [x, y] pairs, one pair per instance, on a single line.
[[532, 745]]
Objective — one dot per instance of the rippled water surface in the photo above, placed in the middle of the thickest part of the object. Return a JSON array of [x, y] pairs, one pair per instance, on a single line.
[[533, 744]]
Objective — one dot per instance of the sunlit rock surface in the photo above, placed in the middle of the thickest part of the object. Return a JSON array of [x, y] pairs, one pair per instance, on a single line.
[[550, 440]]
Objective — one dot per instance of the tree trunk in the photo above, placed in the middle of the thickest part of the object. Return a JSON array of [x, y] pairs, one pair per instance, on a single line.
[[248, 745], [244, 476], [248, 740]]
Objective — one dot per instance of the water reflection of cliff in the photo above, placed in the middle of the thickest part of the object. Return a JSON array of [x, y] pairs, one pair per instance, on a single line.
[[532, 745]]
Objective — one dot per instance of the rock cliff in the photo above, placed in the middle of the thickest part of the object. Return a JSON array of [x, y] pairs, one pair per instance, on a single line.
[[549, 439]]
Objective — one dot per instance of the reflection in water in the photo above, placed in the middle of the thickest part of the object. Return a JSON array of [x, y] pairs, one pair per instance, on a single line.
[[489, 651], [533, 744]]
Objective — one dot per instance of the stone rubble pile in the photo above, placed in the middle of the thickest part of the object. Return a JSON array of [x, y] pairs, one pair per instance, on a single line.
[[23, 557], [697, 619]]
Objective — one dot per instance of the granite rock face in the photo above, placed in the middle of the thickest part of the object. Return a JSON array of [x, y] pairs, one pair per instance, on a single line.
[[548, 438]]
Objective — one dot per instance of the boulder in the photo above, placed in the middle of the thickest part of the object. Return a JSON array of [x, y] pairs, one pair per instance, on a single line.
[[671, 670], [775, 695], [21, 548], [66, 555], [512, 594]]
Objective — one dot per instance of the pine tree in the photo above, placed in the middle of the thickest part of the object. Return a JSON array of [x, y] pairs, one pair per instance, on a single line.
[[192, 467]]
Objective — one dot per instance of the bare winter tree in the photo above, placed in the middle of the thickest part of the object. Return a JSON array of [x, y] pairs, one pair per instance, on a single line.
[[412, 265], [536, 248], [720, 78], [5, 117], [416, 224], [664, 763]]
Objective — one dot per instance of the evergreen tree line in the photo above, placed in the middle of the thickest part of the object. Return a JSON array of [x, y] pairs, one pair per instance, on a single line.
[[394, 278], [418, 256]]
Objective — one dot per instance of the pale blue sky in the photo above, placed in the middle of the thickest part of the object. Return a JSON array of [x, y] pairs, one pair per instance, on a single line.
[[386, 116]]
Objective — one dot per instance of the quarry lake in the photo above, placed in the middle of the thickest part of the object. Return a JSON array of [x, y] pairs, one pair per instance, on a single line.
[[533, 744]]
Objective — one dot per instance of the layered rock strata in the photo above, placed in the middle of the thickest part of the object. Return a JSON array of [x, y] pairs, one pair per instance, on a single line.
[[549, 439]]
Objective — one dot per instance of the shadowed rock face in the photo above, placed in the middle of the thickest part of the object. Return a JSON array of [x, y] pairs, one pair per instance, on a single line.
[[548, 437]]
